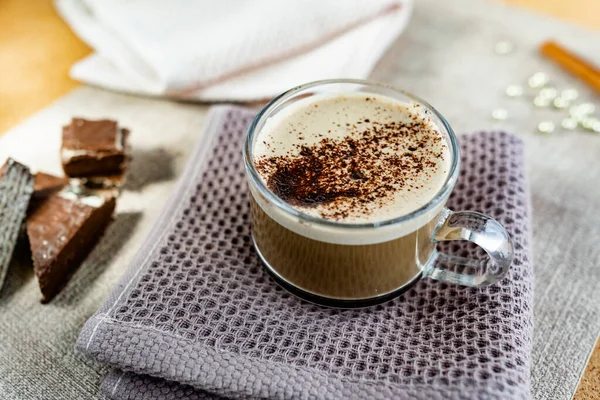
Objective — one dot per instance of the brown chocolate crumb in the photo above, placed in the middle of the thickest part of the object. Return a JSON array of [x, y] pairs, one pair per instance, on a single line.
[[357, 174]]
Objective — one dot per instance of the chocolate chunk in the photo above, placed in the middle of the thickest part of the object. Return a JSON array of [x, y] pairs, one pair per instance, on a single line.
[[62, 231], [94, 148], [46, 184], [16, 188]]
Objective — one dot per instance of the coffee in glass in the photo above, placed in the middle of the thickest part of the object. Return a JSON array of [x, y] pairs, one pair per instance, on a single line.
[[348, 183]]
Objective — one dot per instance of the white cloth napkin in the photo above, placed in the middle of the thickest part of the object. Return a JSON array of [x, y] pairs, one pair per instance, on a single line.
[[229, 50]]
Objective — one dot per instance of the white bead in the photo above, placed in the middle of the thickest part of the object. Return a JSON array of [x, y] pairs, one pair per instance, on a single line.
[[561, 102], [589, 123], [574, 112], [548, 93], [503, 47], [514, 91], [538, 80], [541, 102], [580, 111], [569, 123], [499, 114], [546, 127], [587, 108], [569, 94]]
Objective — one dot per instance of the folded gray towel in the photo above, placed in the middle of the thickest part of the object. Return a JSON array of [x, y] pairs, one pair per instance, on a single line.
[[196, 313]]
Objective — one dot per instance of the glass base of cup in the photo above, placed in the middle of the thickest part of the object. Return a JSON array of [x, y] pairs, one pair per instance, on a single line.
[[329, 301]]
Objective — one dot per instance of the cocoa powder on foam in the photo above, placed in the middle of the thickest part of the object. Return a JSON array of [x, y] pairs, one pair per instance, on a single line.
[[361, 172]]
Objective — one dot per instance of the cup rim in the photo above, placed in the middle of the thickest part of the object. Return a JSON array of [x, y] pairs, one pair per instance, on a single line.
[[255, 179]]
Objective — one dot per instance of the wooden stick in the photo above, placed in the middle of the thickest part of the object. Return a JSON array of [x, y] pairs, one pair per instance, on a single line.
[[572, 63]]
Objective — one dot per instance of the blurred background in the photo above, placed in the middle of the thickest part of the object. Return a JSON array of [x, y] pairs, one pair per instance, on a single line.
[[37, 48], [480, 62]]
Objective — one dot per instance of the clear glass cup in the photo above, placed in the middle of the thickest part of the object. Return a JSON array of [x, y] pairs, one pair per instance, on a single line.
[[354, 265]]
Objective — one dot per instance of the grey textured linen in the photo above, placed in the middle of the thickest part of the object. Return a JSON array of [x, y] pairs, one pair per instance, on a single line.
[[445, 56], [197, 307]]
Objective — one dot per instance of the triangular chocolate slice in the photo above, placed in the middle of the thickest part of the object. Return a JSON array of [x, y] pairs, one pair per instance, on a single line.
[[16, 187], [62, 231]]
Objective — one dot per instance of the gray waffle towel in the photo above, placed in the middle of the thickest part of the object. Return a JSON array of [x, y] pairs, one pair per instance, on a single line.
[[196, 313]]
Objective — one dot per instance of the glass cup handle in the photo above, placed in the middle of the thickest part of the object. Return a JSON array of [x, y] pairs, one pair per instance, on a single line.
[[479, 229]]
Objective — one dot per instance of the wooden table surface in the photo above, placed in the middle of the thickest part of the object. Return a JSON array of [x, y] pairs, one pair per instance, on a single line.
[[37, 49]]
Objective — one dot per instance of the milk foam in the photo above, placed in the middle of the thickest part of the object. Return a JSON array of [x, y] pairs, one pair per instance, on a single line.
[[309, 120]]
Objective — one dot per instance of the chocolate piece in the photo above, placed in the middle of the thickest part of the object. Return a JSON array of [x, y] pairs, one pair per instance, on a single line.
[[16, 187], [62, 231], [46, 184], [94, 148]]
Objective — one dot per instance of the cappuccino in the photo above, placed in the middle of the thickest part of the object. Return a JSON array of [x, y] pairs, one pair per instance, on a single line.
[[349, 166]]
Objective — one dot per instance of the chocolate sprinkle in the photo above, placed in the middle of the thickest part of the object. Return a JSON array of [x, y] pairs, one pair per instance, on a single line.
[[358, 173]]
